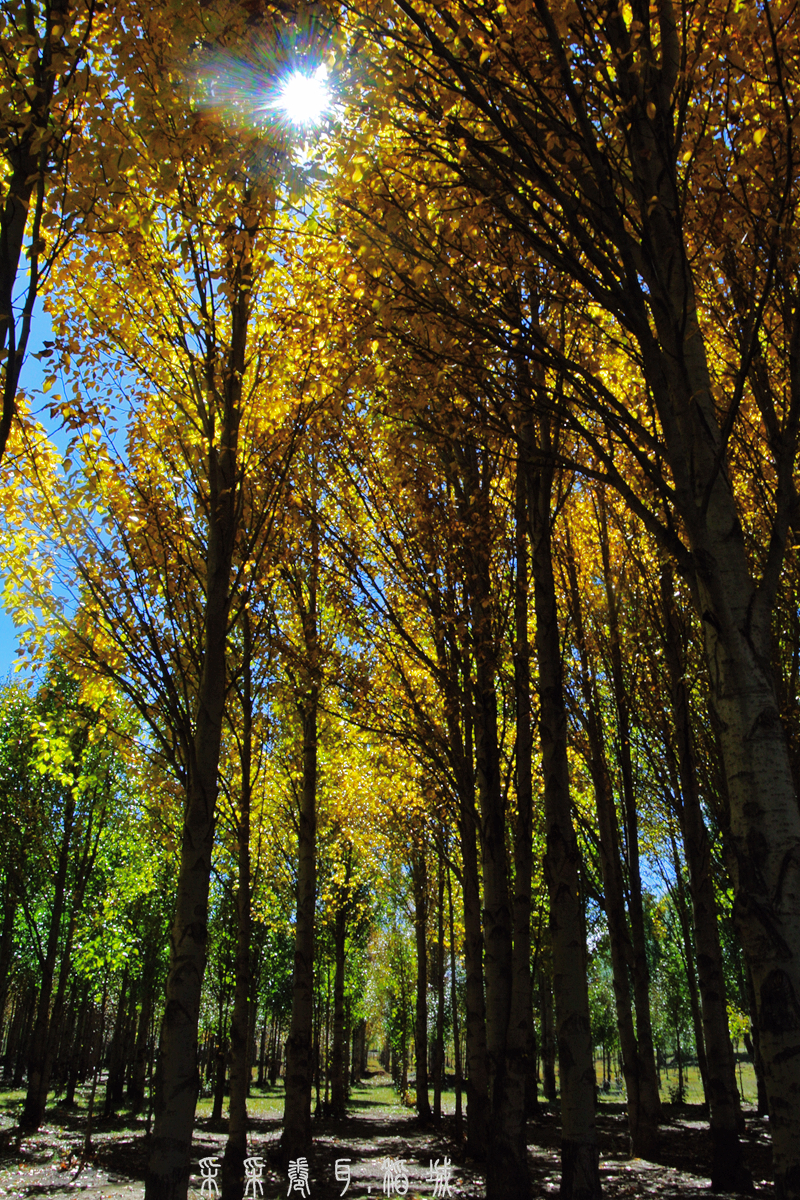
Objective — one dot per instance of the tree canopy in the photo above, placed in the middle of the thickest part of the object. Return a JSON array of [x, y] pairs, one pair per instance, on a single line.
[[406, 535]]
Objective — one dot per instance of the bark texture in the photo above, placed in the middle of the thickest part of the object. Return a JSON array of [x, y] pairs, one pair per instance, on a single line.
[[642, 1118], [580, 1178], [507, 1175], [296, 1139], [177, 1077], [728, 1171], [338, 1081], [236, 1145], [419, 875], [649, 1101]]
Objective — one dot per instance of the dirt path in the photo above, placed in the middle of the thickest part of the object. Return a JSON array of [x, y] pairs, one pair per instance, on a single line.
[[374, 1152]]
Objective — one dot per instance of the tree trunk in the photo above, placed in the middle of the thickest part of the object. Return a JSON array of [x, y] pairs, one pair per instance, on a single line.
[[25, 1036], [115, 1080], [296, 1138], [33, 1112], [690, 955], [359, 1065], [548, 1041], [438, 1045], [139, 1074], [220, 1067], [649, 1100], [10, 901], [177, 1077], [507, 1166], [735, 612], [520, 1032], [762, 1107], [338, 1093], [456, 675], [77, 1052], [728, 1172], [454, 1011], [299, 1047], [642, 1120], [236, 1145], [419, 876], [580, 1174], [642, 1123]]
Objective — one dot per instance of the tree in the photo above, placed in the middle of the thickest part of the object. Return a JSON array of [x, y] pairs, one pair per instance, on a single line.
[[175, 295], [45, 79], [609, 143]]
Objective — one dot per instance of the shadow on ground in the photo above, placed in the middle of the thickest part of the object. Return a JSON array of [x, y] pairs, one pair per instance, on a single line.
[[378, 1139]]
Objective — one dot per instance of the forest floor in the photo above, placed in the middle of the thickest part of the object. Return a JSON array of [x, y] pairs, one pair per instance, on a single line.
[[377, 1133]]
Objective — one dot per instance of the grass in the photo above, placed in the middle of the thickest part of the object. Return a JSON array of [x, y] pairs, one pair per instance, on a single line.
[[377, 1096], [693, 1087]]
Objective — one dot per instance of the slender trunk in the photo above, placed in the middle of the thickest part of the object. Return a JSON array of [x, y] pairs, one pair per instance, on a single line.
[[679, 1057], [299, 1045], [296, 1139], [25, 1037], [454, 1011], [520, 1032], [327, 1059], [33, 1112], [649, 1099], [642, 1121], [359, 1067], [220, 1064], [236, 1145], [338, 1094], [58, 1072], [507, 1167], [252, 1013], [456, 669], [477, 1073], [346, 1026], [177, 1076], [27, 177], [78, 1050], [728, 1171], [689, 954], [404, 1023], [762, 1107], [98, 1058], [83, 872], [116, 1061], [580, 1178], [548, 1041], [10, 901], [262, 1050], [735, 610], [438, 1045], [419, 875], [139, 1076]]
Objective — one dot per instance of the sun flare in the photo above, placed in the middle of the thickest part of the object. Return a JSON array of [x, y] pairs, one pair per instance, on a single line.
[[304, 98]]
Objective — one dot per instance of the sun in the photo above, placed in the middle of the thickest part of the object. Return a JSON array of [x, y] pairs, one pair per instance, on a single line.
[[304, 98]]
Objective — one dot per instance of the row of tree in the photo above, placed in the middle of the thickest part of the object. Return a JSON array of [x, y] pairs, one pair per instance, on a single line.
[[458, 488]]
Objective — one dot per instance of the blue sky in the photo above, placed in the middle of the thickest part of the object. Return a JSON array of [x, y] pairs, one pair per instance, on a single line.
[[31, 381]]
